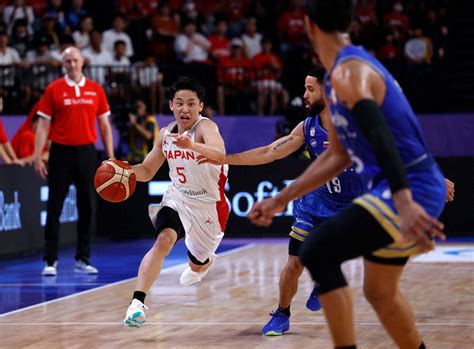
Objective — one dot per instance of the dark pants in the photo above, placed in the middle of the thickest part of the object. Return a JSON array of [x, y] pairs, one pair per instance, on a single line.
[[66, 166]]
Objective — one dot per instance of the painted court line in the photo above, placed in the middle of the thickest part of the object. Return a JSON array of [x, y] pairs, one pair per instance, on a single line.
[[207, 324], [164, 271]]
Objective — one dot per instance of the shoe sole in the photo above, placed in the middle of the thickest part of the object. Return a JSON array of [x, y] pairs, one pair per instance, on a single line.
[[273, 333], [85, 272], [49, 274]]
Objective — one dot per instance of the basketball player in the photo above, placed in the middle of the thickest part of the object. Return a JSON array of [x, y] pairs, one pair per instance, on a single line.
[[312, 208], [194, 206], [375, 128]]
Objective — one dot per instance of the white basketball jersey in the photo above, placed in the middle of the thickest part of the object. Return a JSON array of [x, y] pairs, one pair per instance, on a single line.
[[197, 184]]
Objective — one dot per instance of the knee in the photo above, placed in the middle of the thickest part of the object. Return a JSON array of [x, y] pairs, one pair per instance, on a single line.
[[380, 294], [294, 265], [163, 244]]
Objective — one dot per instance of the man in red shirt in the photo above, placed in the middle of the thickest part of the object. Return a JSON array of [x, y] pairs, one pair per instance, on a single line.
[[68, 112]]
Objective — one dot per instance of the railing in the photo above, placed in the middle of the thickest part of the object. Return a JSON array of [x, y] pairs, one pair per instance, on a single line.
[[232, 90]]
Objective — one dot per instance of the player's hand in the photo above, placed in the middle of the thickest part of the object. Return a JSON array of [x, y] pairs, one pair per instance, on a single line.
[[419, 226], [449, 190], [182, 140], [40, 168], [262, 212], [201, 159]]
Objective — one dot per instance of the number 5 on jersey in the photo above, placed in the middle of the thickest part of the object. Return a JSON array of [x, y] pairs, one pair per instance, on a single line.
[[181, 175]]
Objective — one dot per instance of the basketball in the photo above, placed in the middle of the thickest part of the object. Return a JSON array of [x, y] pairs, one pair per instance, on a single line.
[[114, 180]]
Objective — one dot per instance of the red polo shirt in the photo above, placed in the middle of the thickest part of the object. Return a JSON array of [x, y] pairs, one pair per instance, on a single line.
[[3, 134], [73, 110]]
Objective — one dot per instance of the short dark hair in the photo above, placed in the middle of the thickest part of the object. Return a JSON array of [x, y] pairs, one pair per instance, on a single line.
[[331, 15], [318, 72], [186, 83]]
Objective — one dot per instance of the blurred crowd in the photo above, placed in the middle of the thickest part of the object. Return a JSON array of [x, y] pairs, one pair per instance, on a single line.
[[251, 55]]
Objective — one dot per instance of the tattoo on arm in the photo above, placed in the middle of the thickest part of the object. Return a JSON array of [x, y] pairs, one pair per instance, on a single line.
[[279, 144]]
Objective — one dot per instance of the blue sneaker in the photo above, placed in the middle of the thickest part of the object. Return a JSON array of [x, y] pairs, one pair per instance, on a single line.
[[313, 302], [279, 324]]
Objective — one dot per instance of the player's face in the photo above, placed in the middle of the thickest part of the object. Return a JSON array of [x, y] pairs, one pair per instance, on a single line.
[[73, 62], [186, 107], [313, 96]]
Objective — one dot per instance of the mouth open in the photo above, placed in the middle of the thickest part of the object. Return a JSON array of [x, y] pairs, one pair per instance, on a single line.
[[184, 117]]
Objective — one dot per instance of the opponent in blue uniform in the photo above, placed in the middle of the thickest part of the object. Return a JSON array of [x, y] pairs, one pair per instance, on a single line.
[[310, 210], [378, 133]]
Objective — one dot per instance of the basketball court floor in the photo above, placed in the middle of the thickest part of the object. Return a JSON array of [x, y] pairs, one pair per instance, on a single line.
[[226, 310]]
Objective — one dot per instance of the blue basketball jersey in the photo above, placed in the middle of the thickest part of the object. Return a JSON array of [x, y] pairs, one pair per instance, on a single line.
[[398, 113], [336, 194]]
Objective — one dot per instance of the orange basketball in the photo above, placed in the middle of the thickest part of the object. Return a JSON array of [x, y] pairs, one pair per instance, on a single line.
[[115, 180]]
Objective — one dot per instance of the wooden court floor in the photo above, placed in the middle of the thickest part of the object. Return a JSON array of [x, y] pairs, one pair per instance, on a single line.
[[228, 309]]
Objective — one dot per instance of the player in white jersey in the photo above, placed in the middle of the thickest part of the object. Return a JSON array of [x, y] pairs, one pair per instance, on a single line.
[[194, 206]]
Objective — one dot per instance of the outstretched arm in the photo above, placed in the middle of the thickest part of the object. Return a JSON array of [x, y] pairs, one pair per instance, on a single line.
[[327, 166], [153, 161], [279, 149]]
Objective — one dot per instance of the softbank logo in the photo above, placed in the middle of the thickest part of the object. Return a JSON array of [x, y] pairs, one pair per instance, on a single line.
[[10, 213], [69, 212], [241, 202]]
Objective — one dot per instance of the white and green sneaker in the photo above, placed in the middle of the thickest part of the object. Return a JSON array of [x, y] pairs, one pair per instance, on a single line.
[[135, 316]]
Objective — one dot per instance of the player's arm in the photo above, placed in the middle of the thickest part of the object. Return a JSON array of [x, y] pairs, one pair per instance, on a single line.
[[279, 149], [333, 160], [152, 162], [212, 146], [106, 135], [41, 137], [362, 90]]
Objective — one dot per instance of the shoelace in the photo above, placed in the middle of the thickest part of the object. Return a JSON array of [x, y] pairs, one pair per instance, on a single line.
[[276, 313]]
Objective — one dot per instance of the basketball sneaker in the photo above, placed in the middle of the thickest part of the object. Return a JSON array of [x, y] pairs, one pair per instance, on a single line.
[[313, 302], [84, 267], [135, 316], [50, 268], [189, 277], [278, 324]]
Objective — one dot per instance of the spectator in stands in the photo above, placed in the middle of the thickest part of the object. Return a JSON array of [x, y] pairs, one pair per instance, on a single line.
[[75, 14], [7, 154], [220, 43], [41, 54], [82, 35], [251, 39], [117, 32], [48, 30], [142, 134], [21, 40], [23, 142], [96, 58], [18, 10], [165, 28], [235, 11], [291, 29], [147, 80], [234, 75], [55, 10], [397, 19], [268, 69], [8, 55], [191, 46]]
